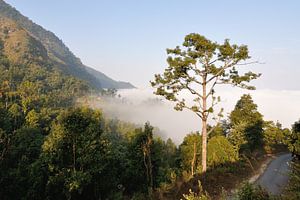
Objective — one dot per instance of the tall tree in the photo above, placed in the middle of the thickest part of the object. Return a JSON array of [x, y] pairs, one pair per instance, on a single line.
[[197, 67], [247, 125]]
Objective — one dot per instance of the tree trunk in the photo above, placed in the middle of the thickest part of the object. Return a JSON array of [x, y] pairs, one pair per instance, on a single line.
[[204, 144], [204, 125], [150, 172], [194, 160], [74, 155]]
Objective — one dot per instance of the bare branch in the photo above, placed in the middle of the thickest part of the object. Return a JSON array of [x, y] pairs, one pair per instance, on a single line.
[[197, 113], [193, 91], [217, 123], [249, 63], [212, 62], [213, 128], [212, 87]]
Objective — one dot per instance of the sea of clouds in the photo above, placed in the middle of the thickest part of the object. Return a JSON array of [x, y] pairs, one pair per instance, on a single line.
[[141, 105]]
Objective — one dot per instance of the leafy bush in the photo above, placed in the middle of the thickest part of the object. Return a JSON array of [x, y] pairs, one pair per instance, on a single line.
[[293, 189], [197, 196], [251, 192]]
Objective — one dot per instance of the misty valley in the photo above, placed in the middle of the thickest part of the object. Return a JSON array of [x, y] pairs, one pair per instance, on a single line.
[[201, 128]]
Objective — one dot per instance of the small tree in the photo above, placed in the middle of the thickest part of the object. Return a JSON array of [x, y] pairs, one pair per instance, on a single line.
[[197, 68], [190, 153], [273, 135], [294, 140]]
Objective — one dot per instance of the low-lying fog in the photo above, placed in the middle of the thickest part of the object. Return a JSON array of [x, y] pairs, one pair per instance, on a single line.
[[141, 105]]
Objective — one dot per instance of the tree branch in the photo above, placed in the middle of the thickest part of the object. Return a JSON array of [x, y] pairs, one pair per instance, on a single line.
[[193, 91], [226, 65], [212, 87], [249, 63]]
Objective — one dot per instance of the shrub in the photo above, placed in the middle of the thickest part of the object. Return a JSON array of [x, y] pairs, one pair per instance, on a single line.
[[251, 192], [196, 196], [292, 191]]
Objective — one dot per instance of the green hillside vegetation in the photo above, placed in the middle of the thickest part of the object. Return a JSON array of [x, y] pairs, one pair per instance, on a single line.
[[58, 53], [27, 73]]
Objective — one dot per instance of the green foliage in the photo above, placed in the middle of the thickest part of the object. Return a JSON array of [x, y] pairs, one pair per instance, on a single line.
[[75, 152], [34, 85], [247, 125], [220, 151], [197, 196], [186, 152], [274, 135], [17, 166], [251, 192], [5, 120], [201, 62], [4, 144], [294, 139], [292, 191], [16, 114], [83, 156], [32, 119], [217, 130]]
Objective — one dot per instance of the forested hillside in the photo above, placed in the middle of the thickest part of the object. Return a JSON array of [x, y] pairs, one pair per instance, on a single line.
[[58, 53], [27, 73]]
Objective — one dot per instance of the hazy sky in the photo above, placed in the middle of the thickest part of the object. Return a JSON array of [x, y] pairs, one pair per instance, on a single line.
[[127, 39]]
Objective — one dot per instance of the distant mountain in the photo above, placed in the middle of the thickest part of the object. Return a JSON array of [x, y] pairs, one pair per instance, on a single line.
[[106, 81], [57, 51]]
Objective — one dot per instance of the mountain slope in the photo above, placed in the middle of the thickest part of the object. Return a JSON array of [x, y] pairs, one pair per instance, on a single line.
[[106, 81], [29, 77], [59, 53]]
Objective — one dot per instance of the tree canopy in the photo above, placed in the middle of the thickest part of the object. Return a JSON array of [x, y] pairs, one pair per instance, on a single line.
[[197, 67]]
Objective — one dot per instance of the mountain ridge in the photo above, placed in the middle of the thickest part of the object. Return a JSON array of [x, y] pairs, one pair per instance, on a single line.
[[59, 53]]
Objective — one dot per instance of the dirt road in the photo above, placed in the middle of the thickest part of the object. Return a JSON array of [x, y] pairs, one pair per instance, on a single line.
[[275, 176]]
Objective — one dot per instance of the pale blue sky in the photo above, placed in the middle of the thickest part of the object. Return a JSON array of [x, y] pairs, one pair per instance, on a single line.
[[126, 39]]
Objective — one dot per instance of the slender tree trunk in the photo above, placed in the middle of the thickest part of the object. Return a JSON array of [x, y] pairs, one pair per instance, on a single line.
[[145, 163], [74, 155], [150, 171], [204, 145], [204, 125], [194, 160]]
